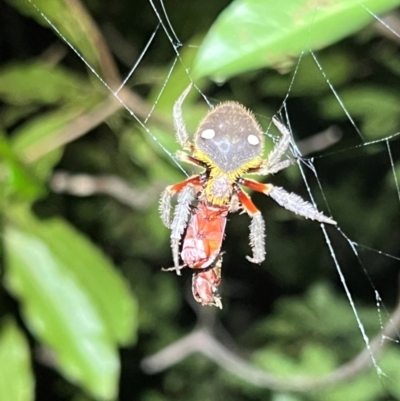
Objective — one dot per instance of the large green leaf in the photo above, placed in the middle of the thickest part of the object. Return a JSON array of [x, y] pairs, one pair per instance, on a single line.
[[72, 299], [16, 378], [251, 34]]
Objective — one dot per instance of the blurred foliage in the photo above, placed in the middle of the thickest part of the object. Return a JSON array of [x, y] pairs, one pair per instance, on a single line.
[[252, 34], [52, 270], [81, 273], [15, 365]]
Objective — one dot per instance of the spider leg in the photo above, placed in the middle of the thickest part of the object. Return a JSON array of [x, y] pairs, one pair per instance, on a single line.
[[266, 168], [164, 206], [179, 123], [289, 201], [176, 269], [184, 157], [283, 144], [179, 222], [257, 227], [274, 163], [169, 192], [234, 205]]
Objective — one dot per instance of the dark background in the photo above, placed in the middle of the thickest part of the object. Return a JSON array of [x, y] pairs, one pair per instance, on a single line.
[[295, 299]]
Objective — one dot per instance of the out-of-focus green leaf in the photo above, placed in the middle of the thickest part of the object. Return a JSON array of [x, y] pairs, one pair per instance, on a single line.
[[10, 115], [69, 18], [72, 299], [37, 82], [376, 108], [318, 361], [369, 385], [390, 367], [39, 141], [16, 181], [314, 359], [16, 378], [320, 312], [251, 34], [177, 82], [338, 66], [364, 388]]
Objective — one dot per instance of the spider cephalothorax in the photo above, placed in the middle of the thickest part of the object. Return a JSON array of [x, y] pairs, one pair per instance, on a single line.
[[227, 145], [229, 141]]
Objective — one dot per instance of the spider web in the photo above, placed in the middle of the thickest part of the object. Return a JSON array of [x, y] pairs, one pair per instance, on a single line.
[[308, 166]]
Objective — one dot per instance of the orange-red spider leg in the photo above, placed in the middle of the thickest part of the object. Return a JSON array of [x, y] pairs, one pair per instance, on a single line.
[[256, 186], [257, 227], [169, 192], [184, 157]]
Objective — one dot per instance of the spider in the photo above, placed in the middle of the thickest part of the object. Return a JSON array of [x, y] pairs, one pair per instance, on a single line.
[[227, 145]]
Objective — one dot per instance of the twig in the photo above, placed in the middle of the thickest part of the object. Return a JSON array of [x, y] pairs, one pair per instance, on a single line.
[[320, 141], [202, 341], [392, 20], [87, 185]]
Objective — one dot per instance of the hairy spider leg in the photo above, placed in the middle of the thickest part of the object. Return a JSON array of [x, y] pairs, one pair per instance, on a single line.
[[204, 236], [186, 191], [170, 191], [257, 227], [205, 283], [288, 200], [179, 123], [274, 163], [274, 158]]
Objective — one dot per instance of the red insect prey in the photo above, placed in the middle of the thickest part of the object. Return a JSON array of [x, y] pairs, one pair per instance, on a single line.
[[204, 236]]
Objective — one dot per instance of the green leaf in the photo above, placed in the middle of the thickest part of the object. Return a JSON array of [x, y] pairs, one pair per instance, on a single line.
[[313, 359], [16, 182], [390, 366], [16, 378], [72, 299], [337, 65], [374, 108], [38, 82], [368, 386], [252, 34], [41, 140]]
